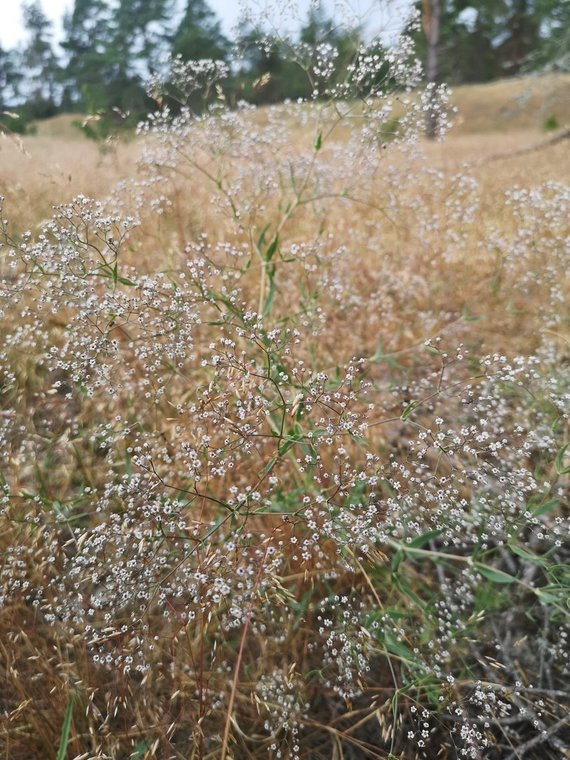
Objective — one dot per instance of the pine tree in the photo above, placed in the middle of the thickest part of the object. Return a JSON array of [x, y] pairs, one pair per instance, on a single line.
[[111, 50], [319, 29], [481, 40], [39, 62], [199, 34], [141, 34], [9, 79], [89, 70]]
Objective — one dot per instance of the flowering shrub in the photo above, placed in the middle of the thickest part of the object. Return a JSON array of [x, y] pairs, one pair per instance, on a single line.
[[271, 486]]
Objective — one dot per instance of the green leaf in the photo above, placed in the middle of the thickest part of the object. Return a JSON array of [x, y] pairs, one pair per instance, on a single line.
[[523, 554], [140, 750], [113, 274], [270, 295], [396, 561], [65, 729], [559, 461], [387, 358], [261, 238], [408, 410], [546, 507], [268, 467], [318, 141], [400, 650], [546, 596], [497, 576], [405, 589], [467, 316], [394, 705], [420, 541], [379, 353], [290, 440], [272, 248]]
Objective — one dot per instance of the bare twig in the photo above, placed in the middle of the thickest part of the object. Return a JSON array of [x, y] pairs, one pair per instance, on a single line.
[[547, 735]]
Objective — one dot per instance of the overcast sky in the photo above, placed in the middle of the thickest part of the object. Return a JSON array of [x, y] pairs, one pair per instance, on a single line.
[[227, 10], [11, 16]]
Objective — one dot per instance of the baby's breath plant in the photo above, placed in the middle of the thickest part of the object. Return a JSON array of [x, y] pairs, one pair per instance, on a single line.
[[283, 441]]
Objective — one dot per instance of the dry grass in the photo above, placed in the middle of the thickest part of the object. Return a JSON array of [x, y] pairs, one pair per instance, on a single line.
[[41, 171], [513, 105], [494, 120], [401, 284]]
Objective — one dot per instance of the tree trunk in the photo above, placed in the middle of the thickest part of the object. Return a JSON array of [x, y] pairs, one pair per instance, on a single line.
[[431, 16]]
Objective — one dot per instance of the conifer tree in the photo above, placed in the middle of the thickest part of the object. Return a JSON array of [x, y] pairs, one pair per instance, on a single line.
[[199, 34], [88, 68], [39, 63]]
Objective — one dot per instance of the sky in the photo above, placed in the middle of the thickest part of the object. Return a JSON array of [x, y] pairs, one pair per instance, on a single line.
[[11, 31], [228, 11]]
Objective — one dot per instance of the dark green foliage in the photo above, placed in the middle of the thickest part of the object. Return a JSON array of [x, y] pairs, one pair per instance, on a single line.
[[109, 49], [199, 34], [550, 123], [9, 78], [88, 69], [267, 74], [275, 69], [553, 50], [141, 34], [39, 61], [482, 40]]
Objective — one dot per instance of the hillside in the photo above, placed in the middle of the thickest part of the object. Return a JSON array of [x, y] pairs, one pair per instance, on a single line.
[[513, 104], [57, 162], [524, 103]]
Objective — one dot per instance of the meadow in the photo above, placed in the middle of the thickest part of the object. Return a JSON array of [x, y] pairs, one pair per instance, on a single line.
[[283, 432]]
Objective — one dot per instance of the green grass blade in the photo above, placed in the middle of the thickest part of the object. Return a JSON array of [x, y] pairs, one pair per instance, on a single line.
[[65, 729]]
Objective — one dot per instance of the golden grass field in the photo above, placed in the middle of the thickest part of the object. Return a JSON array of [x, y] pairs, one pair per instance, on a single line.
[[497, 137], [494, 120]]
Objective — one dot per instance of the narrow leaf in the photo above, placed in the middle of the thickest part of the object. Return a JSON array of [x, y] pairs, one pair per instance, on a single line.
[[272, 248], [420, 541], [559, 461], [378, 354], [523, 554], [546, 507], [140, 750], [407, 411], [65, 729], [497, 576]]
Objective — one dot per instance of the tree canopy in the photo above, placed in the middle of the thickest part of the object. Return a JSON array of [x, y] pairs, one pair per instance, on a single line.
[[110, 47], [482, 40]]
